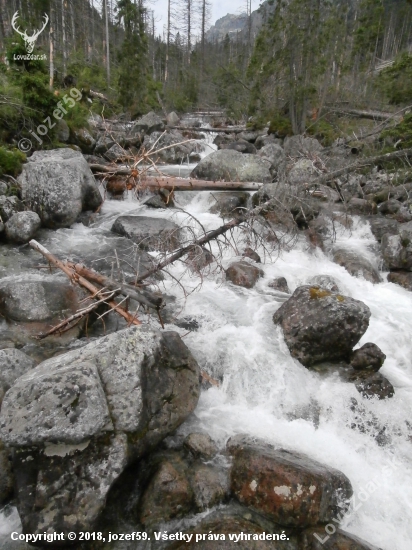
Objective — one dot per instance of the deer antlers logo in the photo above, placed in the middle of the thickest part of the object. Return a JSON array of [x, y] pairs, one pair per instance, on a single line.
[[29, 41]]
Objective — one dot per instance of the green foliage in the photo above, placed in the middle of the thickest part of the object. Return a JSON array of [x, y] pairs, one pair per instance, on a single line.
[[11, 161], [401, 133], [323, 131], [369, 29], [396, 80], [280, 125]]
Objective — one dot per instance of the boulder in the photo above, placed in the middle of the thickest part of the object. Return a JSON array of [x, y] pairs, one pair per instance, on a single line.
[[361, 207], [172, 155], [317, 538], [148, 233], [281, 284], [296, 146], [230, 204], [319, 325], [13, 364], [248, 136], [380, 225], [397, 249], [289, 488], [263, 140], [32, 298], [4, 188], [356, 265], [325, 281], [227, 165], [250, 253], [273, 153], [243, 274], [172, 119], [9, 206], [58, 185], [22, 227], [6, 474], [371, 385], [236, 527], [369, 357], [199, 257], [401, 278], [83, 139], [148, 124], [241, 146], [77, 420], [200, 445], [104, 143], [223, 139], [116, 153], [302, 172]]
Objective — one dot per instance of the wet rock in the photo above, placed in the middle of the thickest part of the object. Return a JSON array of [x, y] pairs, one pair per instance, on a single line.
[[155, 201], [200, 445], [9, 206], [273, 153], [369, 357], [172, 119], [263, 140], [58, 185], [22, 227], [230, 204], [148, 233], [243, 274], [223, 139], [281, 284], [86, 142], [227, 165], [36, 299], [325, 281], [290, 488], [13, 364], [212, 533], [148, 124], [361, 207], [176, 153], [199, 258], [297, 146], [397, 249], [381, 225], [249, 253], [373, 385], [319, 325], [356, 265], [209, 485], [251, 137], [318, 538], [77, 420], [401, 278]]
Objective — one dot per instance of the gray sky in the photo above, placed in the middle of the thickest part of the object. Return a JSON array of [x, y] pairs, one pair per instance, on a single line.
[[219, 9]]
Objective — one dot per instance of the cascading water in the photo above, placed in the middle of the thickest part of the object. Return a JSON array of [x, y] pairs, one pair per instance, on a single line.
[[268, 394]]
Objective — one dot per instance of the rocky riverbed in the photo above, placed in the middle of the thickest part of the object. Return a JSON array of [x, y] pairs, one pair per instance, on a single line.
[[305, 327]]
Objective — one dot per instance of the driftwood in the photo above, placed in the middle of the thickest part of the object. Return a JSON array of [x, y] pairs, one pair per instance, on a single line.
[[211, 130], [75, 277], [358, 113]]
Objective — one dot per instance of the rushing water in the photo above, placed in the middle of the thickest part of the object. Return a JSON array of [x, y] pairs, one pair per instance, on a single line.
[[266, 393]]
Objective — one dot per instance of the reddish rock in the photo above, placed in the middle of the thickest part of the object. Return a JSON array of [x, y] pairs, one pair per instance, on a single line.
[[289, 488], [243, 274]]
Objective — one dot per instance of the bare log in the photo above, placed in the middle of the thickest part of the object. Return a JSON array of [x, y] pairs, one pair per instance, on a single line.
[[74, 277], [211, 130], [358, 113]]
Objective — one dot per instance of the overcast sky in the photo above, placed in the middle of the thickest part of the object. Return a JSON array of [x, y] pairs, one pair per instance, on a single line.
[[219, 9]]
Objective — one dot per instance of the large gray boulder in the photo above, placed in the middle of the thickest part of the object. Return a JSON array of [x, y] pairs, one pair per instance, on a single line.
[[227, 165], [397, 249], [173, 155], [297, 146], [32, 298], [9, 206], [148, 233], [320, 325], [77, 420], [273, 153], [22, 226], [148, 124], [58, 185]]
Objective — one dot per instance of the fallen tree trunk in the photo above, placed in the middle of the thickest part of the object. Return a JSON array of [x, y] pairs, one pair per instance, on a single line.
[[178, 184], [211, 130], [358, 113], [73, 276]]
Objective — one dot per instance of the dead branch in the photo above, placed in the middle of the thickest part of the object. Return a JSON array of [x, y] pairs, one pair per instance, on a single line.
[[404, 153], [212, 130], [76, 278]]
